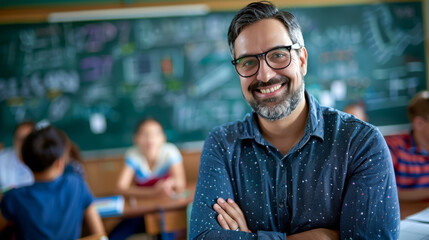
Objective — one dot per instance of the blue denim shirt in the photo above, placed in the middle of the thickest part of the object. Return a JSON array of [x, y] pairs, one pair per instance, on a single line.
[[338, 176]]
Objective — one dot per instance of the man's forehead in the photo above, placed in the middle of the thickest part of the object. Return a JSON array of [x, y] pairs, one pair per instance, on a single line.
[[261, 36]]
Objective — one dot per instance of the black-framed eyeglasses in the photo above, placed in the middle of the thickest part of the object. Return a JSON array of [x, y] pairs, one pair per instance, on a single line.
[[276, 58]]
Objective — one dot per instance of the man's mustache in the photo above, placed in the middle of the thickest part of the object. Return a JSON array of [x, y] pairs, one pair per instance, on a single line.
[[273, 81]]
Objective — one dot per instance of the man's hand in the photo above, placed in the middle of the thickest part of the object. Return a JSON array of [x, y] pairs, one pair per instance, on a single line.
[[230, 215]]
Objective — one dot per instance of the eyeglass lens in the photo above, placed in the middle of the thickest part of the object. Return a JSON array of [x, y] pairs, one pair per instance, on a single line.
[[277, 58]]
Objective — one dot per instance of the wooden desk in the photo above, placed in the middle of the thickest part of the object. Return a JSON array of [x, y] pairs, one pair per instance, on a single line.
[[171, 211], [409, 208]]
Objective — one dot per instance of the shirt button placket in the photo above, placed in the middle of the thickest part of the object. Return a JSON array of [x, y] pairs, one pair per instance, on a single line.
[[283, 187], [282, 200]]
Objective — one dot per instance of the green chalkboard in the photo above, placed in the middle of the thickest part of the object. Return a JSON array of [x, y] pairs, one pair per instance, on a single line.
[[96, 79], [372, 53]]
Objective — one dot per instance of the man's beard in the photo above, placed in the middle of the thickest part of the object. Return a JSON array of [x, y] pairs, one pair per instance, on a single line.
[[287, 103]]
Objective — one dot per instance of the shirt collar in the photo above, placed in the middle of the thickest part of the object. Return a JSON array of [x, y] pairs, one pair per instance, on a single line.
[[315, 121], [313, 127]]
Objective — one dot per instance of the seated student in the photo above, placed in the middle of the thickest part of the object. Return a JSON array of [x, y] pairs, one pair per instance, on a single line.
[[13, 172], [56, 204], [156, 167], [155, 164], [358, 110], [410, 151]]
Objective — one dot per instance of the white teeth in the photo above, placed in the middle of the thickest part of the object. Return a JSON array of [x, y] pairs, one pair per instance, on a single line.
[[270, 90]]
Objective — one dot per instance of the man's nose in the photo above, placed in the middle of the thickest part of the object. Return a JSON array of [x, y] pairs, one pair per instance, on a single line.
[[265, 72]]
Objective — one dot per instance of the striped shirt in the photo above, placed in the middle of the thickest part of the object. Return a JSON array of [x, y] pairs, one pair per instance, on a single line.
[[411, 162]]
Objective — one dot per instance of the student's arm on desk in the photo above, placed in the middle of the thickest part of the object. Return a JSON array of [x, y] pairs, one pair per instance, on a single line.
[[124, 186], [413, 194], [177, 172], [93, 221]]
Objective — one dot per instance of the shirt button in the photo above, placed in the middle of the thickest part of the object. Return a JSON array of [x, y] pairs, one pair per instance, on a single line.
[[281, 205]]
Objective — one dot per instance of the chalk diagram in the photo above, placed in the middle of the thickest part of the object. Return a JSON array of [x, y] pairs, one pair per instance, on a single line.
[[386, 39]]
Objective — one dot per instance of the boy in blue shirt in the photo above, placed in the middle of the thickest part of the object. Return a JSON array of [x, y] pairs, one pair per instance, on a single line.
[[56, 204]]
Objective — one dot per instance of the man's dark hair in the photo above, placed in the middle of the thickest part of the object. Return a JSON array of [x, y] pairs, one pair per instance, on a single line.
[[42, 147], [263, 10]]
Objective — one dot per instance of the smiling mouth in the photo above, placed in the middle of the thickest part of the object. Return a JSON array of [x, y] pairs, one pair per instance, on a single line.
[[269, 89]]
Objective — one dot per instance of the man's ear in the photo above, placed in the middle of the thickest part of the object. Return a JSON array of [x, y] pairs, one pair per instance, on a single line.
[[303, 60]]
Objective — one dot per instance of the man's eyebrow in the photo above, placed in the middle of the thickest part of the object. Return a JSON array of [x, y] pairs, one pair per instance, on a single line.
[[248, 55], [245, 55]]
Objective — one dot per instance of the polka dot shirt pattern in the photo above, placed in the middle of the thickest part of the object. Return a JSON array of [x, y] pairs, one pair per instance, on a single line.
[[339, 176]]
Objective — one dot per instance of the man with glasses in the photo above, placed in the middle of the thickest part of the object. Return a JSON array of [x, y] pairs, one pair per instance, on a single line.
[[292, 168], [410, 152]]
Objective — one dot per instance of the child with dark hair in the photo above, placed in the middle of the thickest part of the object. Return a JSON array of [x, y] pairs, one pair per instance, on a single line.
[[55, 206]]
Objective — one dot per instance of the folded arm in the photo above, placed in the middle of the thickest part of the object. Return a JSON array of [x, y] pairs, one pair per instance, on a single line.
[[215, 181], [230, 217]]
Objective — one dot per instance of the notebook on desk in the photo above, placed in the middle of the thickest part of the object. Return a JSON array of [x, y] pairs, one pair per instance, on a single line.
[[415, 227], [109, 206], [422, 216]]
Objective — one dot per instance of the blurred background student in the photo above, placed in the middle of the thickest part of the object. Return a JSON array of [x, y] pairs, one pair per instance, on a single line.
[[357, 109], [54, 206], [13, 172], [153, 167], [410, 151]]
